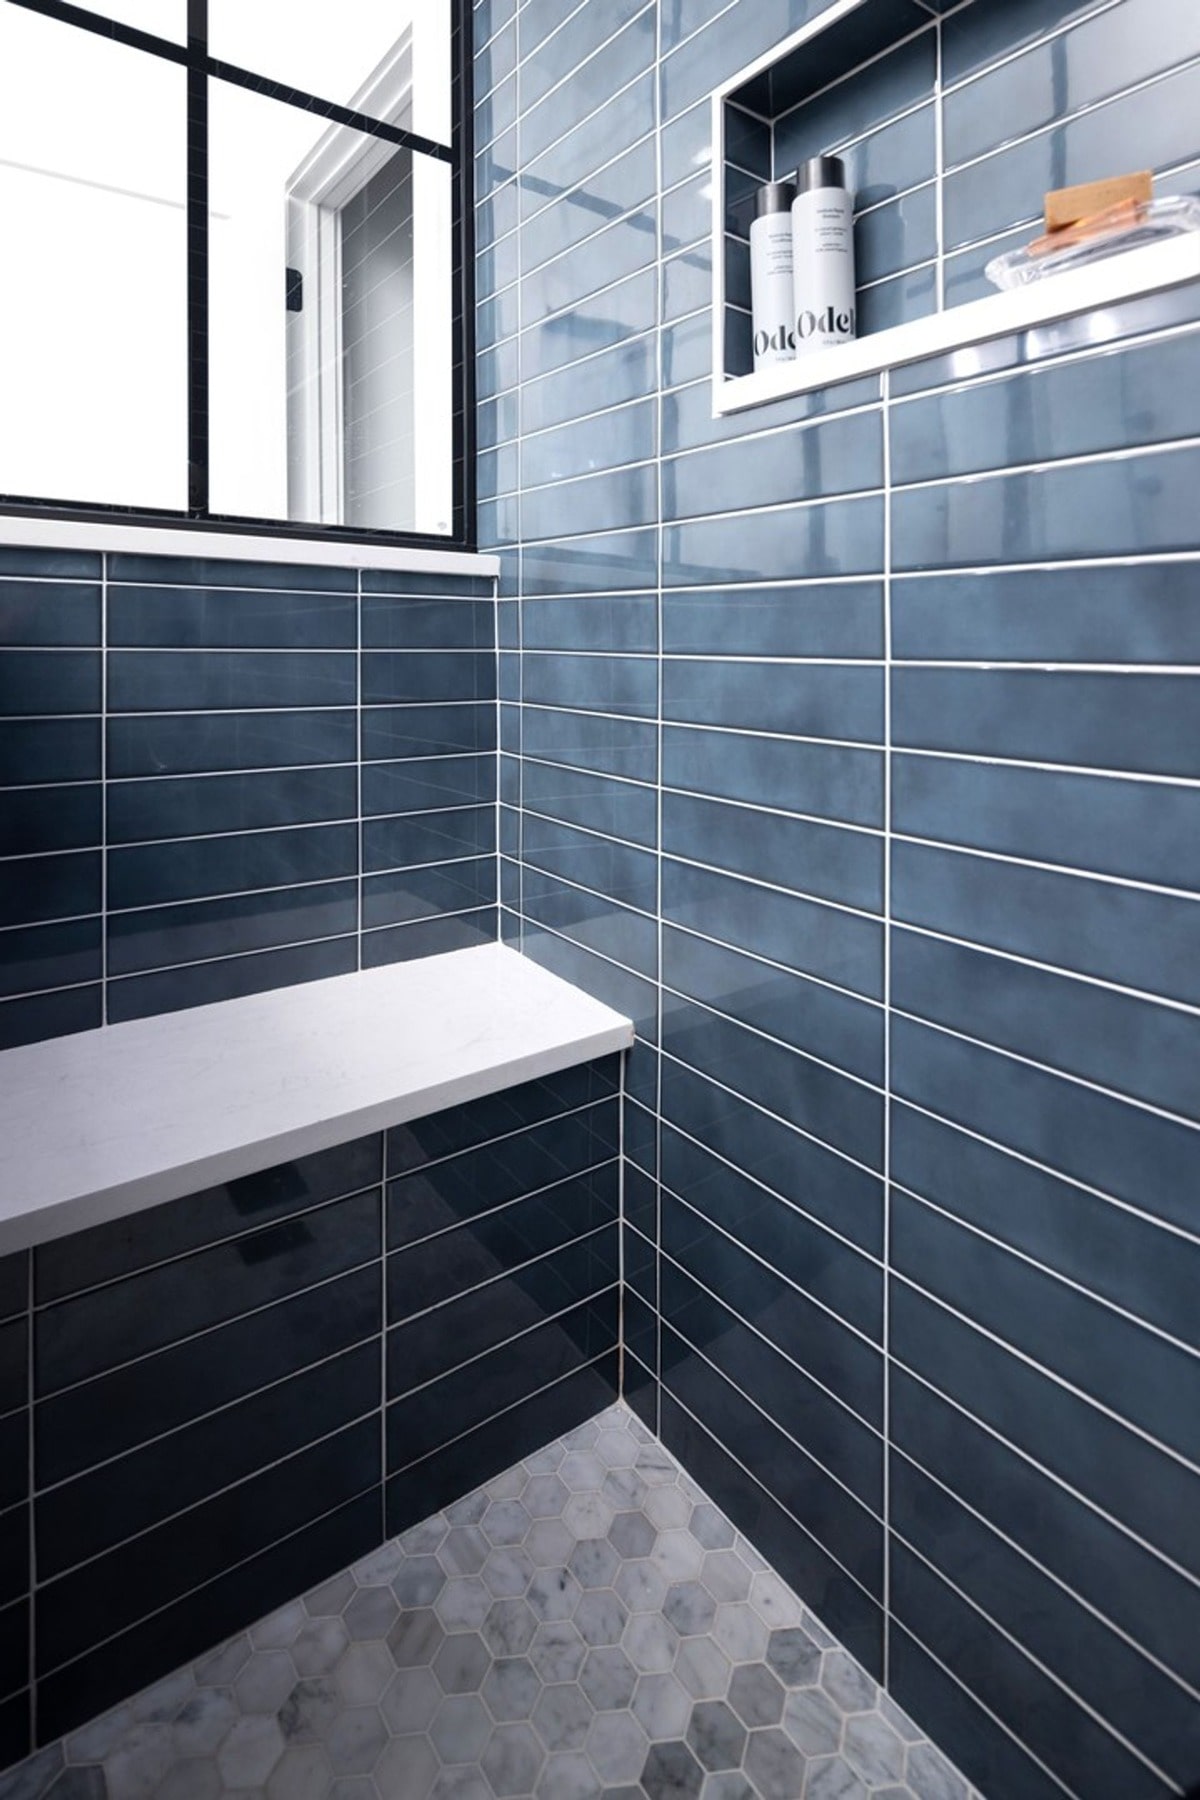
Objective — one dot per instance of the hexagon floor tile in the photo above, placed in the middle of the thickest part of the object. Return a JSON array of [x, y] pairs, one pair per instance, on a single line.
[[588, 1626]]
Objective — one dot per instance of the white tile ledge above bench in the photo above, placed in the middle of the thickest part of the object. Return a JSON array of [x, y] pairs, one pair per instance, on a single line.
[[28, 531], [105, 1123]]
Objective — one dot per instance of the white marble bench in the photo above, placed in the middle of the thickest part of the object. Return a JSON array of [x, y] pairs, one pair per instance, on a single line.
[[104, 1123]]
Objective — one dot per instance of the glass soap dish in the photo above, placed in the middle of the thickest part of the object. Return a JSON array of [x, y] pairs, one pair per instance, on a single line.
[[1133, 225]]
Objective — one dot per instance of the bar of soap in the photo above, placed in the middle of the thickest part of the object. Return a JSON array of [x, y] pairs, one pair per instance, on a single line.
[[1066, 206]]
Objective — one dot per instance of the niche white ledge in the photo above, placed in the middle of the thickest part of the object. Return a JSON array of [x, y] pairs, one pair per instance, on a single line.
[[105, 1123], [1144, 271], [27, 531]]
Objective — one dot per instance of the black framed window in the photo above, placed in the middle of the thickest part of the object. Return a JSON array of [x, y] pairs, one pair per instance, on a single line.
[[239, 289]]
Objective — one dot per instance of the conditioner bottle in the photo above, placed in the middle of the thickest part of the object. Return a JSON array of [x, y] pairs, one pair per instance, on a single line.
[[771, 296], [823, 248]]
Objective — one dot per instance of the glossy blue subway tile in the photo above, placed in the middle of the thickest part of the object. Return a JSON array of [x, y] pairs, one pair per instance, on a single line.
[[178, 571], [898, 234], [504, 1262], [156, 937], [617, 374], [425, 1421], [845, 1364], [1128, 614], [1122, 1580], [230, 978], [1005, 189], [623, 872], [833, 1437], [162, 681], [89, 1515], [821, 702], [838, 1112], [821, 1506], [390, 677], [183, 1629], [1143, 395], [46, 612], [608, 684], [593, 921], [836, 537], [610, 745], [853, 1615], [833, 456], [99, 1419], [181, 618], [1099, 1139], [149, 874], [35, 820], [64, 565], [432, 623], [1104, 1249], [1133, 1373], [804, 619], [476, 1181], [1146, 831], [835, 946], [552, 48], [838, 1277], [39, 957], [119, 1589], [392, 733], [85, 1335], [831, 783], [974, 39], [189, 806], [1088, 63], [617, 624], [617, 987], [814, 1019], [1126, 722], [897, 300], [850, 110], [427, 783], [1137, 939], [824, 861], [1107, 1674], [625, 186], [428, 837], [616, 60], [1135, 506], [104, 1253], [37, 1017], [1128, 1045], [620, 498], [596, 802], [1064, 1737], [441, 1134], [429, 937], [45, 682], [196, 743], [425, 893], [564, 174], [1147, 1491], [40, 888], [486, 1321], [623, 434], [613, 562]]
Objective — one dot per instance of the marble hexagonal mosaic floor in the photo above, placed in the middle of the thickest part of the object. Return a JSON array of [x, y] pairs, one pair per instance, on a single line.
[[588, 1626]]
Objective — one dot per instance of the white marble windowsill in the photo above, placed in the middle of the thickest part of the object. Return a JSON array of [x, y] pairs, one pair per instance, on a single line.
[[30, 532], [104, 1123]]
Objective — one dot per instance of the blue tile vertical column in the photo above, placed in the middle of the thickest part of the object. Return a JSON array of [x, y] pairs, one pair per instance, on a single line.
[[51, 801], [15, 1529]]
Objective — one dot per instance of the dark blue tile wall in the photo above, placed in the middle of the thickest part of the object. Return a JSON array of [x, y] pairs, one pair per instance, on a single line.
[[210, 1406], [874, 804], [224, 777]]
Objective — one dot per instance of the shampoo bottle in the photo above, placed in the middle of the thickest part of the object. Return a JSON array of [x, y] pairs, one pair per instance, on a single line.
[[771, 294], [823, 249]]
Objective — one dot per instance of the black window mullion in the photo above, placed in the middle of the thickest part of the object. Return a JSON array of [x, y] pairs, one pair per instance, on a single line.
[[197, 256]]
